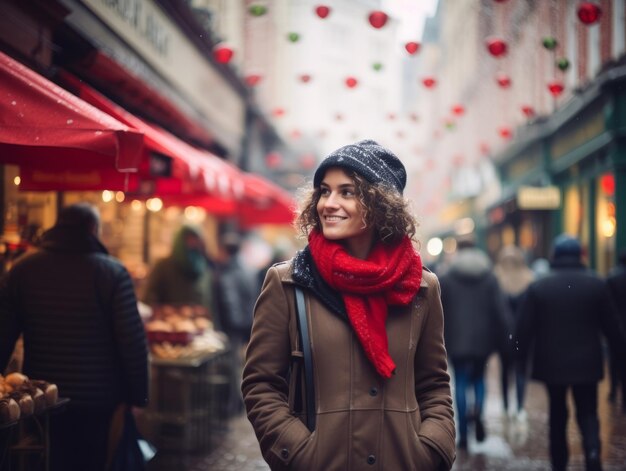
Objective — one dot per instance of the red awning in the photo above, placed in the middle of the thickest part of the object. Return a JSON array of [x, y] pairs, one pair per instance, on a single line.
[[194, 171], [264, 203], [44, 126]]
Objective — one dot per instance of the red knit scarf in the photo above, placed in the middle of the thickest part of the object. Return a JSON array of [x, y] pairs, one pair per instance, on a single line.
[[391, 275]]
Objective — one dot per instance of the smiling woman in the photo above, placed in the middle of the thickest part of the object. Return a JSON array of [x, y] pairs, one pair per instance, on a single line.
[[375, 328]]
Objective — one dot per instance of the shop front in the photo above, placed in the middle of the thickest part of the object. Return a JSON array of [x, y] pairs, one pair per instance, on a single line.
[[569, 175]]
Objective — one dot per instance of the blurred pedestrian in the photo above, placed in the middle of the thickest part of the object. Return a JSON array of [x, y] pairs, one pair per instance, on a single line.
[[76, 308], [235, 295], [616, 281], [185, 277], [380, 385], [563, 315], [514, 276], [477, 323]]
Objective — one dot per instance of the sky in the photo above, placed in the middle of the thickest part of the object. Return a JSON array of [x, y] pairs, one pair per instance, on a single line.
[[411, 14]]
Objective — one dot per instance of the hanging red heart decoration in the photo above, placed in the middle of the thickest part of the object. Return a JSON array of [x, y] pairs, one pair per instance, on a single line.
[[278, 112], [588, 12], [484, 148], [307, 161], [504, 81], [223, 53], [305, 78], [322, 11], [458, 110], [496, 46], [412, 47], [273, 159], [378, 19], [253, 79], [429, 82], [556, 87], [351, 82], [528, 111], [505, 132]]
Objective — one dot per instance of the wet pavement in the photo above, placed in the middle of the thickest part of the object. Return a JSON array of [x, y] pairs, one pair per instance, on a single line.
[[511, 444]]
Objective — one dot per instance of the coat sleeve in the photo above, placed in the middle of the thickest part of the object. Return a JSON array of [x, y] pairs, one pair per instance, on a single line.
[[432, 382], [9, 324], [264, 386], [130, 340]]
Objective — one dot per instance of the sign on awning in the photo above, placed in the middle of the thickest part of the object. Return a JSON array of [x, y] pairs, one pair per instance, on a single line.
[[531, 197]]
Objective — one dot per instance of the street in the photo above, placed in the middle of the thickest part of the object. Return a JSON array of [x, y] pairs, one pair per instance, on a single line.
[[510, 444]]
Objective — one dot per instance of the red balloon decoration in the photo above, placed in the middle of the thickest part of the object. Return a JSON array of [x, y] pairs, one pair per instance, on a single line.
[[305, 78], [278, 112], [351, 82], [484, 148], [412, 47], [589, 13], [556, 87], [505, 132], [378, 19], [223, 53], [496, 46], [458, 110], [528, 111], [273, 159], [504, 81], [429, 82], [253, 79], [322, 11], [307, 161]]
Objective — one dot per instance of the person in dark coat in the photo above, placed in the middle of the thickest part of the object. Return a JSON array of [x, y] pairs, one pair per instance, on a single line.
[[76, 308], [477, 323], [564, 314], [616, 281]]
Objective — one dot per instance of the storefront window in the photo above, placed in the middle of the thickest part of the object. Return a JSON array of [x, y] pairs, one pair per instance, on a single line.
[[605, 223]]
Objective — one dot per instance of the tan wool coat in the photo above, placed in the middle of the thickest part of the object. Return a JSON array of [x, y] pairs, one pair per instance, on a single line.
[[363, 421]]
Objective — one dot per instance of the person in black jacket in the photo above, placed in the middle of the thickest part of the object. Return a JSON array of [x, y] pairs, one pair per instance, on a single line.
[[76, 308], [564, 315], [616, 281], [477, 323]]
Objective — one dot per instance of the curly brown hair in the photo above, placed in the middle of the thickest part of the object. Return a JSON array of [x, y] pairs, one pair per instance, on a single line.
[[386, 210]]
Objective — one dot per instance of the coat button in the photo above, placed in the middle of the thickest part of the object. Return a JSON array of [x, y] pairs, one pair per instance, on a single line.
[[373, 391], [284, 453], [371, 459]]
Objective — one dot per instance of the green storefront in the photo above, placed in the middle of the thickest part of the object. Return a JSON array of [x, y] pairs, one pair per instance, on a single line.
[[567, 173]]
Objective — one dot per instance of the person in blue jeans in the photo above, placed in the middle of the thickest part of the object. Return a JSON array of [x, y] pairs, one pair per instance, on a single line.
[[477, 323]]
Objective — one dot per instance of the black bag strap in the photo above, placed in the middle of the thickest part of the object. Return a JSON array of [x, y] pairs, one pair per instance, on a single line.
[[303, 330]]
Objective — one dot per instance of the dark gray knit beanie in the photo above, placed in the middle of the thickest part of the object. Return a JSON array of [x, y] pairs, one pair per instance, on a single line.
[[370, 160]]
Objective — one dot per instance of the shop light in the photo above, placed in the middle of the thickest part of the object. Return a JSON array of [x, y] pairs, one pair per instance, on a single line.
[[154, 204], [434, 246], [136, 205], [120, 196], [449, 245], [608, 227], [17, 180], [464, 226], [195, 214], [107, 196]]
